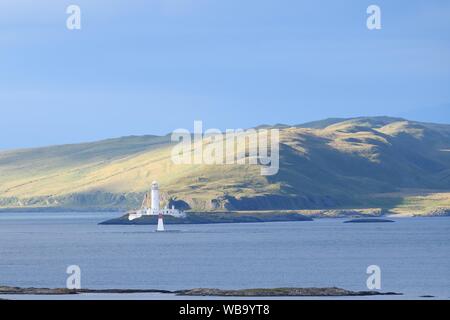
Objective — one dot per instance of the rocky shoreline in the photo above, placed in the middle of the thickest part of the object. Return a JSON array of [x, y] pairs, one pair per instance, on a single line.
[[282, 292], [65, 291], [368, 220], [262, 292]]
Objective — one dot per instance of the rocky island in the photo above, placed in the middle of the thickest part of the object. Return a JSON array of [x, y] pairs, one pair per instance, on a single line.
[[209, 218], [252, 216]]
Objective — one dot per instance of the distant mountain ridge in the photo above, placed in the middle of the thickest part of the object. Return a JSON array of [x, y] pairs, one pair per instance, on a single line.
[[332, 163]]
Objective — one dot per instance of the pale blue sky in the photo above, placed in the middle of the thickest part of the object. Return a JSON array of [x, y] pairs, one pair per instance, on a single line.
[[149, 67]]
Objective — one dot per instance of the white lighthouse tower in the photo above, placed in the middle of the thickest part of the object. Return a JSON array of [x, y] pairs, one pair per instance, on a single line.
[[155, 206], [155, 198], [154, 209]]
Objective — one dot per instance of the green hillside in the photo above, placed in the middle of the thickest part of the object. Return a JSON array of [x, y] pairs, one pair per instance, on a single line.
[[334, 163]]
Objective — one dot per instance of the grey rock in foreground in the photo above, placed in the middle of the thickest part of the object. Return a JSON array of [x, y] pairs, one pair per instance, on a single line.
[[275, 292], [282, 292], [64, 291]]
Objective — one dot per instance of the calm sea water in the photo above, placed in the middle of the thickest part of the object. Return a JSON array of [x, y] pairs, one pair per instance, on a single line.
[[413, 253]]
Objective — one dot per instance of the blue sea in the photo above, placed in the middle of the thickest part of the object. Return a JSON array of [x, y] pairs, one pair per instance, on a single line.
[[413, 254]]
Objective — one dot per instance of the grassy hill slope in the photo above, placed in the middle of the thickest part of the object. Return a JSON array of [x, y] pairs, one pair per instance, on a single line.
[[334, 163]]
